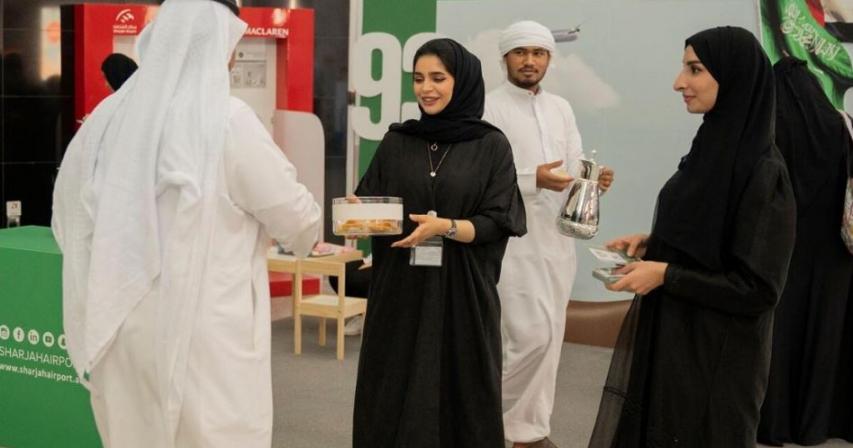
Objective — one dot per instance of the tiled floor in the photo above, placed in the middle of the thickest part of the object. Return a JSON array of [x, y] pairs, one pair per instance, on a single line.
[[313, 393]]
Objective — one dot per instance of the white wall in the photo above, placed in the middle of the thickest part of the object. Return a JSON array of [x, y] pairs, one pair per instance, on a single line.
[[618, 77]]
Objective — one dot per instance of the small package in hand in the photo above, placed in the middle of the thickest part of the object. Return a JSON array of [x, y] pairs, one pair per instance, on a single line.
[[607, 275], [619, 257]]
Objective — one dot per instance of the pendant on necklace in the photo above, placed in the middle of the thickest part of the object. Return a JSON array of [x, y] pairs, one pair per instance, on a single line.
[[433, 147], [432, 174]]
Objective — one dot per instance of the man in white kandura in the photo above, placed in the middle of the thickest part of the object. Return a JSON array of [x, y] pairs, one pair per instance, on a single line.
[[538, 268], [164, 208]]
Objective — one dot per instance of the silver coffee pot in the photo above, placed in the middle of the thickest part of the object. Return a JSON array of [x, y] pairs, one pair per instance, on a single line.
[[579, 216]]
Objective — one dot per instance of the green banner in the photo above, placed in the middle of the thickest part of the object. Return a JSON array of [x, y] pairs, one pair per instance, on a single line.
[[389, 33], [42, 404], [789, 27], [386, 30]]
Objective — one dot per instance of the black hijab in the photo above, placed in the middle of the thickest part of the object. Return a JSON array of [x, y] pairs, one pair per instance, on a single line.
[[811, 133], [460, 120], [697, 204], [117, 69]]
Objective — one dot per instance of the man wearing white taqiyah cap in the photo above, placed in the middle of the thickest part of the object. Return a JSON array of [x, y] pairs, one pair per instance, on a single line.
[[538, 268], [164, 207]]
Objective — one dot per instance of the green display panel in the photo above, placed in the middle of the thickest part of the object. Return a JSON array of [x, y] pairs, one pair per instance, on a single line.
[[383, 78], [42, 405]]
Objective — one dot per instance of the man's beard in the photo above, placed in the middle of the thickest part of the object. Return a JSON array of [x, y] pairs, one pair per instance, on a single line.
[[525, 83]]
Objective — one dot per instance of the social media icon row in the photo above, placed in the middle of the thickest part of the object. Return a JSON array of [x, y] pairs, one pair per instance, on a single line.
[[18, 334]]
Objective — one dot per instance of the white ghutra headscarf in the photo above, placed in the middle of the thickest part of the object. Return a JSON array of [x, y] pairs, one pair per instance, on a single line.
[[526, 33], [161, 136]]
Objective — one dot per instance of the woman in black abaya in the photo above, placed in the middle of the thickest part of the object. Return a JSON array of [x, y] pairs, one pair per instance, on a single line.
[[805, 402], [429, 374], [690, 367]]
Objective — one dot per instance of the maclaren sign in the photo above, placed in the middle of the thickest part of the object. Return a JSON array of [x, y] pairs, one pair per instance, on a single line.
[[259, 31], [271, 23]]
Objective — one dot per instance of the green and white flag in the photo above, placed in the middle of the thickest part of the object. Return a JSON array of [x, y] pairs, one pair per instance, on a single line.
[[811, 30]]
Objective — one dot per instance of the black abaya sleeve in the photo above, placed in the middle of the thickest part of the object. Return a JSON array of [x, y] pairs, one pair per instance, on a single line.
[[501, 210], [372, 184], [762, 242]]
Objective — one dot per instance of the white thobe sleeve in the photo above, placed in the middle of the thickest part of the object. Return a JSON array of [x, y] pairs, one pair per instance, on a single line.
[[573, 136], [262, 182], [527, 181], [525, 176], [59, 206]]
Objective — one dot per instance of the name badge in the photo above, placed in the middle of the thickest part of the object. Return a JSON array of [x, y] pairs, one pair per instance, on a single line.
[[427, 253]]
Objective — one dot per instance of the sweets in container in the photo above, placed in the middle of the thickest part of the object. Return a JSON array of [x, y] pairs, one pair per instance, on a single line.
[[367, 216]]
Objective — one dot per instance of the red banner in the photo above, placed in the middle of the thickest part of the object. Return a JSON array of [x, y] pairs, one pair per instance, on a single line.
[[267, 22], [293, 29]]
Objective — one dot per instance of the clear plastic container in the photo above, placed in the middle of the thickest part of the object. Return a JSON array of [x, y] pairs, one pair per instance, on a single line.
[[367, 216]]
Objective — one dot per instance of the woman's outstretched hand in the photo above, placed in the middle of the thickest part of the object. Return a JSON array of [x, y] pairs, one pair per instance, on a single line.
[[428, 226]]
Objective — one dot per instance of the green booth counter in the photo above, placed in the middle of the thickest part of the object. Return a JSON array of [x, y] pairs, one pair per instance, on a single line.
[[42, 405]]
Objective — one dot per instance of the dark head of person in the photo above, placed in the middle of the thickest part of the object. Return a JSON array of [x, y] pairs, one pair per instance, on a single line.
[[697, 205], [117, 69], [460, 119]]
